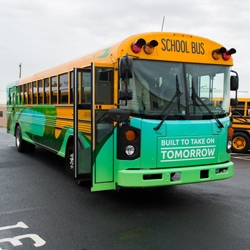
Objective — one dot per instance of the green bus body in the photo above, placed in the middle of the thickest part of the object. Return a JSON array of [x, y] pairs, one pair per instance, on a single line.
[[195, 151]]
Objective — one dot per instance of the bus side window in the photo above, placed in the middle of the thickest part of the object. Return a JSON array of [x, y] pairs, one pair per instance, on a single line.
[[104, 85], [21, 94], [40, 92], [9, 96], [34, 91], [63, 88], [240, 107], [71, 86], [53, 82], [46, 91], [18, 95], [29, 93], [248, 108], [25, 94]]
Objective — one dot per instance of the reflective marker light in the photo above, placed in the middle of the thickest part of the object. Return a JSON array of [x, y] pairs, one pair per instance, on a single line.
[[230, 131], [149, 47], [226, 56], [216, 54], [130, 135], [130, 150], [137, 45]]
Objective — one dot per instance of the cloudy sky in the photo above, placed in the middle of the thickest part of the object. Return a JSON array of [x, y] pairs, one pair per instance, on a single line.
[[40, 34]]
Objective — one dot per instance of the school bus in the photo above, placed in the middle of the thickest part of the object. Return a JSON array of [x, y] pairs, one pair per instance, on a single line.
[[136, 114], [241, 125]]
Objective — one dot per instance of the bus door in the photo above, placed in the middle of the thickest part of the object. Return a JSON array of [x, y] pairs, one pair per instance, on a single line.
[[102, 132], [82, 122], [101, 143]]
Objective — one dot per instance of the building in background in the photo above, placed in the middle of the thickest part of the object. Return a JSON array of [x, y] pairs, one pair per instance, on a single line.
[[3, 119]]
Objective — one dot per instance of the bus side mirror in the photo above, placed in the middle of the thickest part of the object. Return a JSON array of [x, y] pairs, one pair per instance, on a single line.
[[234, 83], [125, 94], [126, 67], [119, 115]]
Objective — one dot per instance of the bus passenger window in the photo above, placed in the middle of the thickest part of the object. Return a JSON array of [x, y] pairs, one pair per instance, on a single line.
[[53, 81], [71, 86], [239, 108], [18, 95], [9, 97], [248, 108], [29, 93], [63, 88], [34, 91], [104, 85], [40, 92], [46, 91], [21, 94], [24, 94]]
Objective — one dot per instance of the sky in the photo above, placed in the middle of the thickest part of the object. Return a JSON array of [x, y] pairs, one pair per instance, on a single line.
[[41, 34]]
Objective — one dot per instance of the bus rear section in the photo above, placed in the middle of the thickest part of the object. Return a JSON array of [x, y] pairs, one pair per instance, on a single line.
[[178, 153], [241, 124]]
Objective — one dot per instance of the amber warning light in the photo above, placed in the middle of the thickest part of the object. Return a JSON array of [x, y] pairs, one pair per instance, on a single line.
[[149, 47]]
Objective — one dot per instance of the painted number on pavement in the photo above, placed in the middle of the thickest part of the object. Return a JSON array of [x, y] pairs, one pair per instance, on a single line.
[[16, 241]]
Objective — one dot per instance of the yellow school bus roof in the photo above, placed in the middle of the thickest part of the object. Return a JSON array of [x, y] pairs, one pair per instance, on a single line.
[[175, 47]]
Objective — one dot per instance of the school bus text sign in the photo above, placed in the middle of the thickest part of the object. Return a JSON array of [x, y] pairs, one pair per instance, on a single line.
[[183, 149], [173, 45]]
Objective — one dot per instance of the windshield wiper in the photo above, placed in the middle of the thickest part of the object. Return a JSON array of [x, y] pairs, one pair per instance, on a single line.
[[195, 96], [170, 105]]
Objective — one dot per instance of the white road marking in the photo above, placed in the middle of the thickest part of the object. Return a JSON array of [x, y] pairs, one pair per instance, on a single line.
[[15, 241], [18, 225]]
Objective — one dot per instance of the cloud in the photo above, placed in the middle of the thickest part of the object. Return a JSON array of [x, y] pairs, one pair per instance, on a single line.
[[44, 33]]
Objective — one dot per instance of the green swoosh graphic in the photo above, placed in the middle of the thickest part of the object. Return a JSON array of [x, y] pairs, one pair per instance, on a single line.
[[105, 54]]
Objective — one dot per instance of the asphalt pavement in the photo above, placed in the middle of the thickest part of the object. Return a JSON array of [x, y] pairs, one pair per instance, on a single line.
[[41, 207]]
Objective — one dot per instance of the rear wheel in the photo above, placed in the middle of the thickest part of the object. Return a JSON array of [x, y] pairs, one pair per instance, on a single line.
[[240, 142], [20, 143]]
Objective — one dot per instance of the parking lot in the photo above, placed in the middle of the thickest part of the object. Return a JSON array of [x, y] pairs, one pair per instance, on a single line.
[[42, 208]]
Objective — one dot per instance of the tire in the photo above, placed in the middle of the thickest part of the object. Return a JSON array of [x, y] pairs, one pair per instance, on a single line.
[[30, 147], [20, 143], [69, 159], [70, 166], [240, 142]]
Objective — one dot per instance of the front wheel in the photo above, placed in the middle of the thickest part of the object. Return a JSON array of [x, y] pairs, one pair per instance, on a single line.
[[240, 142], [30, 147], [69, 160], [20, 143]]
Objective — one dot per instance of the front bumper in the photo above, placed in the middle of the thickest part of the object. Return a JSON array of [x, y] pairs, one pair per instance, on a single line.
[[174, 176]]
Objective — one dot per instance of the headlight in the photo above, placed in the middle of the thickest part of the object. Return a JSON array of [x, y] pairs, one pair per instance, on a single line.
[[130, 150], [229, 144]]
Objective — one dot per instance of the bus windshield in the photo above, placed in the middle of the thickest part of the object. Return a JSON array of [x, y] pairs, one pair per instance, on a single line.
[[183, 90]]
